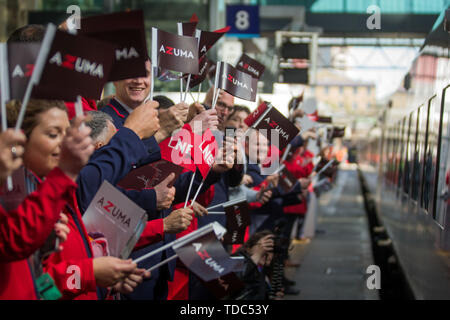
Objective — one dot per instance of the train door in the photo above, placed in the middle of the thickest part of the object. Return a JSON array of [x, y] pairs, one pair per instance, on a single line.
[[392, 157], [401, 164], [422, 120], [434, 115], [443, 193], [414, 159], [407, 157], [387, 154], [398, 134]]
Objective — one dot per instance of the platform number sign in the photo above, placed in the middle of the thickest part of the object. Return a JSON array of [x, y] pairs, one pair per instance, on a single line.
[[243, 20]]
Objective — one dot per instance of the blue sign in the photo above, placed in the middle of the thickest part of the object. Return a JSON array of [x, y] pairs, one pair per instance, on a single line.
[[243, 20]]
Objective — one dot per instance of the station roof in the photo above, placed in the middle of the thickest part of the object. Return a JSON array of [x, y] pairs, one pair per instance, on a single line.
[[360, 6]]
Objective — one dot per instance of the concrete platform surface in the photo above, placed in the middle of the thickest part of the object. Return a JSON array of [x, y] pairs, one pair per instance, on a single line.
[[334, 262]]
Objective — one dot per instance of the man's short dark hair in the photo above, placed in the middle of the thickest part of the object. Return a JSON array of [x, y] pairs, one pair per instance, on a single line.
[[28, 33], [239, 108], [164, 102]]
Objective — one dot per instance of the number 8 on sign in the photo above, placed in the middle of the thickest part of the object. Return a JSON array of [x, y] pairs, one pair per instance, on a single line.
[[242, 20]]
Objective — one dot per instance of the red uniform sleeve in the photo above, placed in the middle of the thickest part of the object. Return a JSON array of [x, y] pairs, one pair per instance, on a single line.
[[87, 105], [25, 229], [72, 277], [153, 232]]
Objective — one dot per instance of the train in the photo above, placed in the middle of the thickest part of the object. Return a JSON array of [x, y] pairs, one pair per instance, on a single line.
[[405, 163]]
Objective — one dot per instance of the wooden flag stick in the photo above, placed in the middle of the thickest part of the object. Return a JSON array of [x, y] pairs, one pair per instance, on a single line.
[[154, 60], [192, 96], [162, 262], [227, 203], [189, 190], [187, 87], [4, 91], [181, 86], [180, 241], [199, 90], [4, 83], [216, 85], [198, 191]]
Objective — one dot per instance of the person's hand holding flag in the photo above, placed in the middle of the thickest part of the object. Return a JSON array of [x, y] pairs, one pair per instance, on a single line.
[[194, 109], [144, 119], [205, 120], [226, 156], [178, 220], [131, 281], [199, 210], [263, 196], [165, 194], [170, 120]]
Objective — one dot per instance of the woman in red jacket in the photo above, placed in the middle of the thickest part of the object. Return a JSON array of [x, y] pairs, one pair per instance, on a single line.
[[299, 163], [76, 274], [26, 228]]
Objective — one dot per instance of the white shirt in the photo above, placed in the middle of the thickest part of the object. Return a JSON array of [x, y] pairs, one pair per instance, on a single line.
[[127, 108]]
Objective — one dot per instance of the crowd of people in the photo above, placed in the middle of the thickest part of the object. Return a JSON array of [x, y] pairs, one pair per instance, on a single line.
[[45, 250]]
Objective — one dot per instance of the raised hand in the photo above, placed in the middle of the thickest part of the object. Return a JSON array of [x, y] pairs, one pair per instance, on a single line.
[[76, 148], [178, 220], [194, 109], [144, 120], [170, 120], [205, 120], [164, 194], [11, 151]]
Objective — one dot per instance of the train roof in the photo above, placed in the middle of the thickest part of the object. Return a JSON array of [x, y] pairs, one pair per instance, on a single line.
[[438, 37]]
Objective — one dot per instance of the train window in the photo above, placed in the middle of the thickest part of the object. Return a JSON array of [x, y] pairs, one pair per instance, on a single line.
[[414, 158], [384, 138], [392, 155], [385, 156], [422, 119], [407, 157], [444, 162], [397, 147], [431, 155], [401, 163], [424, 183], [389, 155]]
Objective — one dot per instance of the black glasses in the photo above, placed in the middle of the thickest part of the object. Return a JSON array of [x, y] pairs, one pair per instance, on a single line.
[[222, 105]]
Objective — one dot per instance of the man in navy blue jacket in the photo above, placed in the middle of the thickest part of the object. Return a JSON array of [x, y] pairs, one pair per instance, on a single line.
[[131, 94], [117, 151]]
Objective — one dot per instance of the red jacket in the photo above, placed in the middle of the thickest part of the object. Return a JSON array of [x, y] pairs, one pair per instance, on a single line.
[[72, 268], [24, 230], [153, 232], [300, 166], [87, 105]]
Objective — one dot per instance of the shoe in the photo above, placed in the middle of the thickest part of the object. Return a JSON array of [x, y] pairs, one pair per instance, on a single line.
[[288, 282], [289, 263], [291, 290], [301, 241]]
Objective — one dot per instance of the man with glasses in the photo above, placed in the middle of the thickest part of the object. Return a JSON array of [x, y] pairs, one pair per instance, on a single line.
[[224, 106]]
